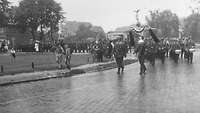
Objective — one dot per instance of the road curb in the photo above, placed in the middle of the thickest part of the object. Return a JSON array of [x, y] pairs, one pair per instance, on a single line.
[[73, 72]]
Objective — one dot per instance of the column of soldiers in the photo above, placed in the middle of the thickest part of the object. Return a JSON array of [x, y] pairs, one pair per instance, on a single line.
[[148, 50]]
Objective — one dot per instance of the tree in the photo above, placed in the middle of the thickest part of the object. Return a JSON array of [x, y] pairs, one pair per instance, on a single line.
[[192, 26], [12, 14], [50, 16], [4, 17], [38, 16], [84, 32], [166, 21]]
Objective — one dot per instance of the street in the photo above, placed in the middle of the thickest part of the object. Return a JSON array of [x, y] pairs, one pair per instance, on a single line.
[[167, 88]]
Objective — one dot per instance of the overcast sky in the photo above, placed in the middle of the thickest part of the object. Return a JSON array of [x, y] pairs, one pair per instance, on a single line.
[[114, 13]]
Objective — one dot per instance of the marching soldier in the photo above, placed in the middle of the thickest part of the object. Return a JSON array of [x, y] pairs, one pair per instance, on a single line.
[[182, 48], [140, 50], [189, 50], [119, 54], [161, 52], [150, 52], [175, 51]]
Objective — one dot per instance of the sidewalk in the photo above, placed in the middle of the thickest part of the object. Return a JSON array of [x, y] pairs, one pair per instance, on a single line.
[[44, 75], [30, 62]]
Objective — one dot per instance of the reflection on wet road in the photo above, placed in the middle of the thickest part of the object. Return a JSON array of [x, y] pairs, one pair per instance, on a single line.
[[167, 88]]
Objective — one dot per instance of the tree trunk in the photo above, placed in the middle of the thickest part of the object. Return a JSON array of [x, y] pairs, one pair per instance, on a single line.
[[51, 34], [42, 36], [33, 34]]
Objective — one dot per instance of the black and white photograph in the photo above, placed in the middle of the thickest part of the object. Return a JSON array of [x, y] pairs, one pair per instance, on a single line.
[[99, 56]]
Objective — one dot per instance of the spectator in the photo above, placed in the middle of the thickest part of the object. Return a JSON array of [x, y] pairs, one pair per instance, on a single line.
[[37, 47], [67, 56], [110, 49], [6, 48], [3, 44], [59, 56], [13, 54]]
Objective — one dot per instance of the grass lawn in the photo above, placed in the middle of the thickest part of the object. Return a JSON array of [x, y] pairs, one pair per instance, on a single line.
[[46, 61]]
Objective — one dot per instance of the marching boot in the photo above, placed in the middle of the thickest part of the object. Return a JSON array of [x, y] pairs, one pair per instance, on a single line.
[[141, 71], [144, 70], [118, 72], [142, 74], [122, 69]]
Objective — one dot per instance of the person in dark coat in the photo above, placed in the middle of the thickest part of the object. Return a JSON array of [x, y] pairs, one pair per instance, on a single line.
[[140, 50], [189, 50], [150, 52], [110, 49], [119, 54]]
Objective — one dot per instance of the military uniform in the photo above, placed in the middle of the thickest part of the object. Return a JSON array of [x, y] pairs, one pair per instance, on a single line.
[[140, 50], [175, 56], [161, 52], [150, 52], [182, 49], [189, 54], [119, 53]]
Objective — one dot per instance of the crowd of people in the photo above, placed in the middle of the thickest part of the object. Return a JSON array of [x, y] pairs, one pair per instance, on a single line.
[[99, 50], [146, 49]]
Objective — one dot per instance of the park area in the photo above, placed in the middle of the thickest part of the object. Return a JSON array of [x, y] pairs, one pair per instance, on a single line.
[[41, 61]]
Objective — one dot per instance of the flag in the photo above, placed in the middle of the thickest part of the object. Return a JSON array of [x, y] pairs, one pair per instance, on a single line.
[[137, 29], [155, 38]]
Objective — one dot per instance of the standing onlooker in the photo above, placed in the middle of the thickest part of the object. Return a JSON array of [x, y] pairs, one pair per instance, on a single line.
[[13, 54], [67, 56], [3, 44], [36, 47], [6, 48], [59, 55], [110, 49]]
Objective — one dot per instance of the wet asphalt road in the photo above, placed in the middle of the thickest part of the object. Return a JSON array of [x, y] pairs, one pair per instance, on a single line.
[[167, 88]]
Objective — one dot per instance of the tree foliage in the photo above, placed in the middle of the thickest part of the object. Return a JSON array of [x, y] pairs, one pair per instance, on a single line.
[[166, 21], [85, 32], [192, 26], [42, 15], [4, 8]]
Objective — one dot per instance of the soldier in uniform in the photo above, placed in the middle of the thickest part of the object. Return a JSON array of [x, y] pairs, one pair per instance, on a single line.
[[150, 52], [188, 53], [119, 54], [182, 48], [174, 55], [140, 50], [161, 52]]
